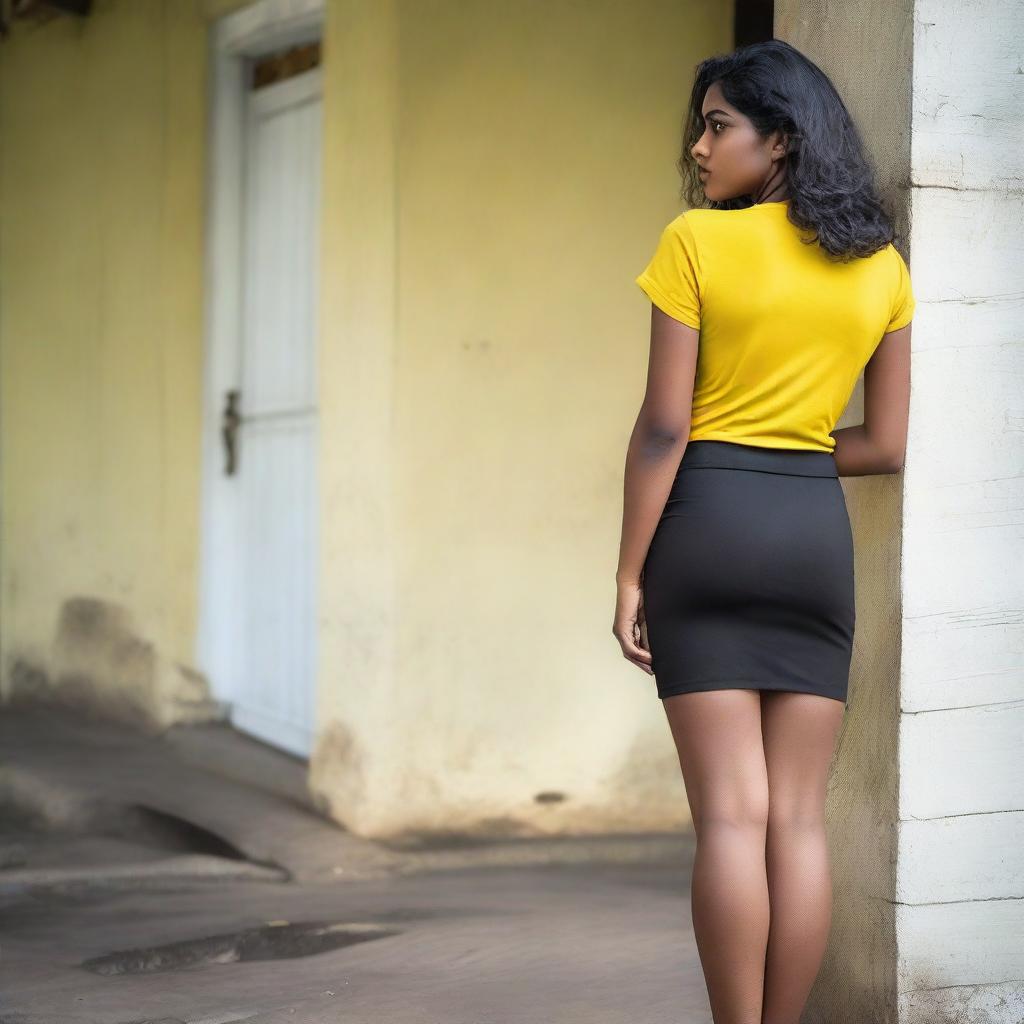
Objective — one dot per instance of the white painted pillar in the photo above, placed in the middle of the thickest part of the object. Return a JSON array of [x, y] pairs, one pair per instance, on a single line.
[[927, 804], [960, 870]]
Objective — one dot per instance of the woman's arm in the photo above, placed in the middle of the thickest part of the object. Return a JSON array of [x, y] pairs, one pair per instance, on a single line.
[[879, 444], [658, 440]]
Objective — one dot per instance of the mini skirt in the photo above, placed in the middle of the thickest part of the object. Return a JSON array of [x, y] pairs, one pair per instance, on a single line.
[[749, 579]]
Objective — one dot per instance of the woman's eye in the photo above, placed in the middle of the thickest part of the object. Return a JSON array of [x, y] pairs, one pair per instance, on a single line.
[[717, 124]]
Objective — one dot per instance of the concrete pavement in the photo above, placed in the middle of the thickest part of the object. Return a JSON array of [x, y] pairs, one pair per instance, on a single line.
[[184, 878]]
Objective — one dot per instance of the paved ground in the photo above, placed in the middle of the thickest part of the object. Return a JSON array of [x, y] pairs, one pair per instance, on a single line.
[[183, 879]]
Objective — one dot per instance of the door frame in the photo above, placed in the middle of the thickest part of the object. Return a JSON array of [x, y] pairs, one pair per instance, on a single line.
[[236, 38]]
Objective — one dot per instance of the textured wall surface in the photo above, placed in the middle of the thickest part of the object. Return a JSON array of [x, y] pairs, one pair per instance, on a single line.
[[866, 49], [496, 175], [928, 919], [101, 180], [960, 864], [494, 178]]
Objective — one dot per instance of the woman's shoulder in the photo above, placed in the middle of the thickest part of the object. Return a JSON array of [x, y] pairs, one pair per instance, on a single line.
[[889, 260], [710, 221], [696, 223]]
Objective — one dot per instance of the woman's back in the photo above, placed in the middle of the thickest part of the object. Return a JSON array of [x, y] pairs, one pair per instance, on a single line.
[[785, 330]]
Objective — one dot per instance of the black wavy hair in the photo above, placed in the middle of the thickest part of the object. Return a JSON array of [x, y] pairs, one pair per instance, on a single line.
[[831, 179]]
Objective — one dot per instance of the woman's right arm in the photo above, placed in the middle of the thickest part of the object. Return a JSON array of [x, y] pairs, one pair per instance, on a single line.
[[879, 444]]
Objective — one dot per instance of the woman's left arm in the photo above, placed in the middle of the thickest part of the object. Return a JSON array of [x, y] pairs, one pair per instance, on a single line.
[[655, 448]]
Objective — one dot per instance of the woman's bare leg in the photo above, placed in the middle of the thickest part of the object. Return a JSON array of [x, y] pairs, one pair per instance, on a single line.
[[718, 739], [799, 733]]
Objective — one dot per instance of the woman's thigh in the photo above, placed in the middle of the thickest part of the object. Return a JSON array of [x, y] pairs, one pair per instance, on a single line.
[[717, 735], [799, 733]]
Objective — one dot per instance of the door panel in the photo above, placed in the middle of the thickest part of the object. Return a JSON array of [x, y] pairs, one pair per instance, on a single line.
[[277, 438]]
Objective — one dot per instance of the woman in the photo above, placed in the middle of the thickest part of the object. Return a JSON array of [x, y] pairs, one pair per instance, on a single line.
[[735, 577]]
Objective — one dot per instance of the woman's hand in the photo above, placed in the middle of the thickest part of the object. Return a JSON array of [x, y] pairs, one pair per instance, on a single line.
[[630, 627]]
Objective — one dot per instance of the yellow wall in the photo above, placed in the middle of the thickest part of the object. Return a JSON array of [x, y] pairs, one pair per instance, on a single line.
[[519, 164], [101, 318], [494, 178]]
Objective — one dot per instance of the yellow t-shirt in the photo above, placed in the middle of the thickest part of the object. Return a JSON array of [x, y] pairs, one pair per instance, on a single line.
[[784, 330]]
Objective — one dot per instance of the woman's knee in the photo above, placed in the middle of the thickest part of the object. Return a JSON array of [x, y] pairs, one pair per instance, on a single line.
[[743, 810], [796, 812]]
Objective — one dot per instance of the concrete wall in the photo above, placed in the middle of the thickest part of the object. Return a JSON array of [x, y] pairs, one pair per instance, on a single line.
[[100, 321], [869, 60], [928, 924], [960, 871], [494, 176]]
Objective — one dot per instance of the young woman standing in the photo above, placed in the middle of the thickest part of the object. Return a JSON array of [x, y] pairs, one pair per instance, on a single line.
[[736, 568]]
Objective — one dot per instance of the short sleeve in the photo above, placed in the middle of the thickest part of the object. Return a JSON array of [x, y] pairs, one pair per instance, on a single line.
[[902, 308], [672, 280]]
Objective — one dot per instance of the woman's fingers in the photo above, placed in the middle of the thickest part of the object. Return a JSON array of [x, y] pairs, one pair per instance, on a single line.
[[630, 627], [631, 650]]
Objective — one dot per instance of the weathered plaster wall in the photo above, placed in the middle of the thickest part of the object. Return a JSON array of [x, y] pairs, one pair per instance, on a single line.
[[101, 178], [927, 827], [511, 166], [960, 864], [867, 52]]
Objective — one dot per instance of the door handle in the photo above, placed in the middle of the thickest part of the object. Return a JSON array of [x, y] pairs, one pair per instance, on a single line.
[[231, 419]]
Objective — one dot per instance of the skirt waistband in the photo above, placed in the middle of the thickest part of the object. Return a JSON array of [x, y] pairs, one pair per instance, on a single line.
[[731, 455]]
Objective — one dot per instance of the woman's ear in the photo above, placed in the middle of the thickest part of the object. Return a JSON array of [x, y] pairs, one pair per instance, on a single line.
[[780, 147]]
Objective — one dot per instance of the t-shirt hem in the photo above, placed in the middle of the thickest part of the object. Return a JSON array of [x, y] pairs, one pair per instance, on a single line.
[[901, 322], [666, 304], [760, 443]]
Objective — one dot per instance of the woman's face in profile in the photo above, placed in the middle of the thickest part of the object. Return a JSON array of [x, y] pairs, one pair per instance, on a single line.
[[737, 160]]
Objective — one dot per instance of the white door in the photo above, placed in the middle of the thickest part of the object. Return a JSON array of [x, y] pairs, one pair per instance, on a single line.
[[275, 549]]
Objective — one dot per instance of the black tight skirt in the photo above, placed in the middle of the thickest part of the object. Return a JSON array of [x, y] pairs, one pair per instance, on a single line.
[[748, 582]]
